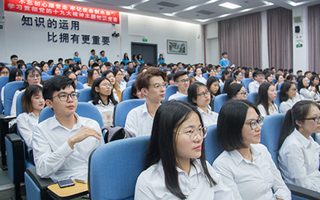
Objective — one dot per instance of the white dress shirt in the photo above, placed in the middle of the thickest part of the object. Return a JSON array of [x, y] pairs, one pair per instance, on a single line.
[[86, 86], [299, 161], [14, 101], [122, 85], [286, 105], [2, 95], [139, 121], [210, 118], [263, 111], [53, 156], [151, 184], [106, 112], [26, 122], [176, 95], [307, 94], [254, 86], [115, 95], [201, 79], [258, 180]]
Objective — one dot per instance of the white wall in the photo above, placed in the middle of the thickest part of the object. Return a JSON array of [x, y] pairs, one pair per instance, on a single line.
[[212, 45], [264, 41], [30, 42]]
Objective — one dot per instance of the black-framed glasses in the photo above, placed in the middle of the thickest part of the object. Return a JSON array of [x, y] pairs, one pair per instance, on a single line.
[[194, 133], [243, 93], [64, 96], [253, 123], [183, 80], [202, 94], [315, 119]]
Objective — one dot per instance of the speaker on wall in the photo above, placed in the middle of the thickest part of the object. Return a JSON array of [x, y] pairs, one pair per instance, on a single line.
[[297, 29]]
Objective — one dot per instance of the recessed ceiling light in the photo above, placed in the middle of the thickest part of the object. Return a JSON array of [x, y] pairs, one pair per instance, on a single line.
[[230, 5], [292, 3], [268, 3], [246, 10], [225, 15]]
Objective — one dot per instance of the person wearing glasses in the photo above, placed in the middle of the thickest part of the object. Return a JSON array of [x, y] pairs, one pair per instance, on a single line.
[[152, 85], [63, 143], [176, 166], [246, 166], [254, 85], [299, 153], [119, 75], [181, 80], [199, 95], [267, 94], [103, 99], [288, 92], [32, 76], [237, 91], [304, 92]]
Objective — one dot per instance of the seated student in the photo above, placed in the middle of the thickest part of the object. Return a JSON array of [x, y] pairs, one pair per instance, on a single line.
[[170, 78], [182, 81], [238, 76], [308, 75], [15, 75], [267, 94], [102, 95], [4, 71], [55, 70], [269, 77], [288, 91], [214, 88], [118, 74], [199, 77], [72, 76], [314, 82], [199, 95], [225, 75], [152, 85], [299, 153], [237, 91], [136, 94], [176, 167], [248, 74], [227, 83], [291, 78], [63, 143], [306, 94], [77, 71], [254, 85], [32, 103], [32, 76], [44, 67], [279, 79], [103, 67], [246, 166], [93, 74]]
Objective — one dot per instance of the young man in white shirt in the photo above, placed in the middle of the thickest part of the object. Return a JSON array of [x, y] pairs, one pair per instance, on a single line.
[[254, 85], [63, 143], [181, 80], [199, 76], [152, 85], [14, 60]]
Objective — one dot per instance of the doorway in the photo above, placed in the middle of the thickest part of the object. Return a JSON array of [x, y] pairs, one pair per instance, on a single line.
[[148, 51]]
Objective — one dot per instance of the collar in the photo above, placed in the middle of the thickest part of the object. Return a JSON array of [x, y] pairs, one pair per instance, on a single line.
[[256, 82], [54, 123], [201, 111], [303, 140], [237, 157], [31, 114], [194, 170]]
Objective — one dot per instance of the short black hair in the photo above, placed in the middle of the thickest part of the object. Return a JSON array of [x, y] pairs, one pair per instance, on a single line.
[[92, 50], [13, 56], [193, 92], [299, 71], [230, 137], [94, 65], [55, 84], [256, 73], [233, 89], [307, 72], [224, 53], [102, 51], [284, 89], [178, 74]]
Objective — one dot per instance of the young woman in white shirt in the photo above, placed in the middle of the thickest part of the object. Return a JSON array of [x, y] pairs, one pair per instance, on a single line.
[[237, 91], [306, 94], [314, 82], [118, 74], [93, 74], [176, 167], [246, 166], [32, 103], [238, 76], [267, 94], [116, 89], [288, 92], [214, 88], [199, 95], [102, 95], [299, 153]]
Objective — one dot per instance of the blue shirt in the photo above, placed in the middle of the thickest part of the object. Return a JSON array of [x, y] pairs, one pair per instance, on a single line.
[[93, 58], [76, 59], [125, 61], [104, 59], [141, 61], [224, 62], [160, 61]]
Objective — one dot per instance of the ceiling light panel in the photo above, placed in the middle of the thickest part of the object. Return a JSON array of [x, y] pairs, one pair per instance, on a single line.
[[230, 5]]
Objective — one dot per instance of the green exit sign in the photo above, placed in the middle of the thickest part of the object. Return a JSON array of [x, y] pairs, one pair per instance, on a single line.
[[299, 45], [1, 26], [144, 40]]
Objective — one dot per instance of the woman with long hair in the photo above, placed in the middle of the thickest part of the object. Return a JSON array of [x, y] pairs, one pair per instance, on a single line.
[[267, 94], [93, 74]]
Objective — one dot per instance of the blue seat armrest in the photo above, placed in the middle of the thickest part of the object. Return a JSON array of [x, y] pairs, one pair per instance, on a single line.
[[303, 192], [42, 183]]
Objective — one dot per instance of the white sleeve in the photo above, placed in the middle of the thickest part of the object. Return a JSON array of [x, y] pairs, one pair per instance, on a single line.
[[13, 106], [2, 95], [251, 87], [284, 107], [132, 122], [142, 189], [48, 162], [262, 110], [24, 129], [227, 178], [306, 94]]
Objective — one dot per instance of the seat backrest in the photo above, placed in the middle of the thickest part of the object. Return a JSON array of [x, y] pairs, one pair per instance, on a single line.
[[274, 80], [44, 78], [213, 148], [82, 79], [277, 101], [170, 90], [44, 74], [270, 133], [253, 97], [19, 108], [221, 88], [184, 98], [129, 84], [279, 86], [84, 95], [122, 109], [87, 110], [49, 72], [79, 85], [121, 161], [3, 81], [133, 77], [205, 75], [219, 76], [219, 101], [245, 82], [126, 94], [9, 91]]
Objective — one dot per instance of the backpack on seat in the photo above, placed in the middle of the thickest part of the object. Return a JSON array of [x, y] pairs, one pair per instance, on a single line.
[[116, 133]]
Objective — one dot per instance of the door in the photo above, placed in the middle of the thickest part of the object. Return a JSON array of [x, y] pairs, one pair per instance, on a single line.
[[148, 51]]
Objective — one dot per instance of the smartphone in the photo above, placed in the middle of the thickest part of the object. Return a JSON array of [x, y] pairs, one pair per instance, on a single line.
[[66, 183]]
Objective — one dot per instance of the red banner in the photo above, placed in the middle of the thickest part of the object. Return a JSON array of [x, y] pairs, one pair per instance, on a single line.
[[62, 10]]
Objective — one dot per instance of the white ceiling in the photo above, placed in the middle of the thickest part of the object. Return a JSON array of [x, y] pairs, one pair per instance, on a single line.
[[194, 11]]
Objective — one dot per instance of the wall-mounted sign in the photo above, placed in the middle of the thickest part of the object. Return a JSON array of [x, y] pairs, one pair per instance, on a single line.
[[62, 10]]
